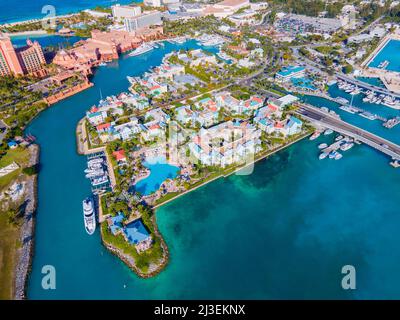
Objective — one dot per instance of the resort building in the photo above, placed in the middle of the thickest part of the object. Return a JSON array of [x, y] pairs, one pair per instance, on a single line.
[[9, 63], [25, 60], [32, 58], [133, 232], [127, 130], [152, 3], [290, 72], [247, 17], [120, 13], [144, 20], [119, 155], [226, 143], [96, 117], [199, 57], [102, 46], [226, 8], [235, 106]]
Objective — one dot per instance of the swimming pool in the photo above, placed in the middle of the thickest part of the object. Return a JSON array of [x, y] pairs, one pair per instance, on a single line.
[[160, 171]]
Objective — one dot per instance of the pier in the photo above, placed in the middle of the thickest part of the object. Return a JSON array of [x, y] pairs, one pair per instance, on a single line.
[[367, 86], [322, 119]]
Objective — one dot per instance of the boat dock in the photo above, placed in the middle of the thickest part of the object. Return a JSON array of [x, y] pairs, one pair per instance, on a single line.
[[391, 123], [99, 172], [325, 120]]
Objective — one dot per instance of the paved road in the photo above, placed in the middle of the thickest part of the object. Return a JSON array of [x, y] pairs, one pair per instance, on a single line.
[[325, 120]]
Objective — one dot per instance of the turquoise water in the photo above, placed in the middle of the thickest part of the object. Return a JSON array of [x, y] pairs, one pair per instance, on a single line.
[[159, 172], [12, 11], [374, 126], [284, 231], [374, 81], [46, 40], [389, 52]]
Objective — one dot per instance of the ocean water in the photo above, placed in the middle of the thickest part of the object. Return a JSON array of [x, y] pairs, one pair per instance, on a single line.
[[46, 40], [160, 171], [14, 11], [374, 81], [389, 52], [285, 231]]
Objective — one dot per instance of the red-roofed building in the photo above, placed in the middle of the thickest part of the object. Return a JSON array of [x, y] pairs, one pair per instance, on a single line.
[[119, 155], [103, 127]]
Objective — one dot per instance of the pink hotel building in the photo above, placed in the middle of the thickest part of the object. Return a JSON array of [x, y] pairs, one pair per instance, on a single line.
[[18, 61]]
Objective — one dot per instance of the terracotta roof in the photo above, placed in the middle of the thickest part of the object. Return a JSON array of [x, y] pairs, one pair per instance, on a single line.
[[119, 155]]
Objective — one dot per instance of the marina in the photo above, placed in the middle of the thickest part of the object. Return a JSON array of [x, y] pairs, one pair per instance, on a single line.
[[331, 151], [97, 173], [144, 48], [370, 96], [266, 190]]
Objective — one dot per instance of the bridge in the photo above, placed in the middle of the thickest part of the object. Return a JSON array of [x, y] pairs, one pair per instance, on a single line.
[[325, 120], [366, 85]]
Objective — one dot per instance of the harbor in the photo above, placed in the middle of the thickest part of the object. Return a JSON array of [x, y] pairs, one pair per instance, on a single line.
[[60, 217], [341, 143], [98, 173]]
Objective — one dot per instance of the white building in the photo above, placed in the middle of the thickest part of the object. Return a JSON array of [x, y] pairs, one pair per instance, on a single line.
[[122, 12], [96, 14], [143, 20], [152, 3]]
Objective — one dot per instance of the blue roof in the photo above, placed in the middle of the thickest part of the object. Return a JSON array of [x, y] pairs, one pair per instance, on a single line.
[[11, 143], [116, 223], [136, 232]]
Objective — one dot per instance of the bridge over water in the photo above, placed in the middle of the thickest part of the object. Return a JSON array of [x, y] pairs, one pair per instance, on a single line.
[[323, 119]]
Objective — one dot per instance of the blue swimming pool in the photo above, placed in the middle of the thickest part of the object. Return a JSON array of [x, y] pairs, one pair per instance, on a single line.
[[160, 171], [389, 52], [303, 83]]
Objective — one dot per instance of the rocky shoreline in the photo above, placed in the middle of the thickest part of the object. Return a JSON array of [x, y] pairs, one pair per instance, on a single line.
[[25, 253]]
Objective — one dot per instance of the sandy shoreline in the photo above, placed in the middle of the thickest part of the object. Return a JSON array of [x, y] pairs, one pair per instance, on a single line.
[[27, 33], [33, 20]]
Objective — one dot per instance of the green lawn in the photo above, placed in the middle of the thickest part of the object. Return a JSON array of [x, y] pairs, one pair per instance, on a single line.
[[9, 244], [21, 157]]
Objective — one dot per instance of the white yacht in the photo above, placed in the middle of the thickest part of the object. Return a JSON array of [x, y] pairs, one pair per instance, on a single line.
[[89, 216], [94, 173], [323, 155], [100, 180], [145, 47]]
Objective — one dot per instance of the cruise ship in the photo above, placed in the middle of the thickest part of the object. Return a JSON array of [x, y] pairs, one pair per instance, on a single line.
[[141, 50], [89, 216]]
